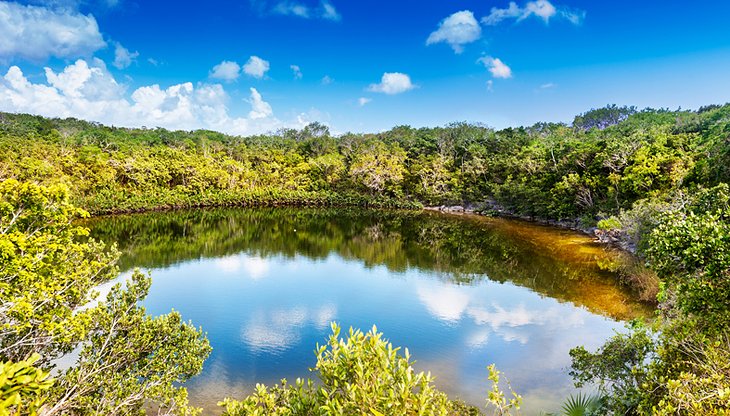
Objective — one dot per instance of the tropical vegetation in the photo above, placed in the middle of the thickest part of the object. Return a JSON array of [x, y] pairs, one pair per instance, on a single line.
[[655, 181]]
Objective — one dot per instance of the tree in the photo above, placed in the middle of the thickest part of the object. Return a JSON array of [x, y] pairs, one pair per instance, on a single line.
[[379, 168], [48, 271], [601, 118]]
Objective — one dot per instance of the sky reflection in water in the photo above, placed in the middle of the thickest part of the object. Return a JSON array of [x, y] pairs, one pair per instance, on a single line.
[[264, 312]]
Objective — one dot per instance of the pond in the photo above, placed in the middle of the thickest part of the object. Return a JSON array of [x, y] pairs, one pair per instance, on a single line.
[[460, 292]]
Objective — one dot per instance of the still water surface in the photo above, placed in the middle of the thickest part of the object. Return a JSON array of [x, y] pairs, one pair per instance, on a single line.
[[459, 292]]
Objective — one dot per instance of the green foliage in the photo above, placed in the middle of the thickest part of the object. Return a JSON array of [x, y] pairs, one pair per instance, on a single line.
[[684, 366], [658, 178], [48, 271], [502, 406], [379, 168], [546, 170], [581, 405], [692, 374], [22, 386], [618, 368], [692, 254], [360, 375], [130, 359], [601, 118]]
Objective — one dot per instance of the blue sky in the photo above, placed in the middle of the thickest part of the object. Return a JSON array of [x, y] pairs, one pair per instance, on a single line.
[[252, 66]]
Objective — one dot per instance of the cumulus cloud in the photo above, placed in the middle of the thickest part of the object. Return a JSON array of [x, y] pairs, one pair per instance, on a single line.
[[88, 91], [324, 10], [37, 33], [457, 30], [123, 58], [259, 108], [393, 83], [496, 67], [363, 100], [327, 80], [226, 71], [296, 71], [256, 67], [542, 9], [83, 81]]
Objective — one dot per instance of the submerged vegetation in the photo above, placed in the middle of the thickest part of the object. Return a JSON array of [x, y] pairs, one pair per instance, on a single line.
[[653, 180]]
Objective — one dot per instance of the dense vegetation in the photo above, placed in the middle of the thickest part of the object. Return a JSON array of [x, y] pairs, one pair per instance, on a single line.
[[124, 359], [655, 180], [548, 170]]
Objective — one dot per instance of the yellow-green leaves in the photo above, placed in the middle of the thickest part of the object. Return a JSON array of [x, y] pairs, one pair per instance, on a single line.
[[501, 405], [21, 387], [48, 271], [360, 375]]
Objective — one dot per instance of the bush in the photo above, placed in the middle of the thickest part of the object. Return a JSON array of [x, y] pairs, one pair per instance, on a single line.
[[362, 374]]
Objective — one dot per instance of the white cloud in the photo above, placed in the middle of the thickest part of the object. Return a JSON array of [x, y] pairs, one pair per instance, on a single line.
[[256, 67], [325, 10], [547, 86], [297, 71], [542, 9], [226, 71], [393, 83], [363, 100], [497, 15], [457, 30], [329, 12], [490, 85], [259, 108], [37, 33], [495, 65], [81, 80], [74, 4], [327, 80], [88, 91], [291, 8], [122, 57], [575, 17]]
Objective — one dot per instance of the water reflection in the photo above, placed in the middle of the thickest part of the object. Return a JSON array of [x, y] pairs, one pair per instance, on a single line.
[[458, 292], [276, 330]]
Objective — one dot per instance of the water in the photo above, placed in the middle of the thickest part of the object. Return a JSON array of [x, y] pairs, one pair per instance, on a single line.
[[459, 292]]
